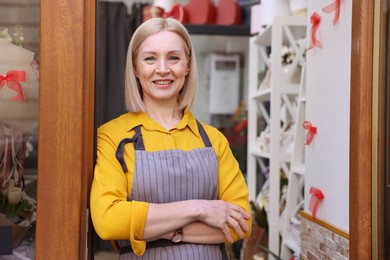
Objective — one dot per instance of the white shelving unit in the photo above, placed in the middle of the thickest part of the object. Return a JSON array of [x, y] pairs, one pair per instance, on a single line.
[[277, 107], [295, 196]]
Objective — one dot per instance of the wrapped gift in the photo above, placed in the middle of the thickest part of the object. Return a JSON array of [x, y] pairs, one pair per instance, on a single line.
[[18, 98]]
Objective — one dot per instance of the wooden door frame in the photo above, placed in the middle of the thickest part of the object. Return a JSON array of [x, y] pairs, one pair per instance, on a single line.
[[361, 152], [66, 127]]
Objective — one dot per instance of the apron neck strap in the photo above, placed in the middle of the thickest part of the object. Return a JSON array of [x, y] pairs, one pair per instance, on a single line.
[[203, 134]]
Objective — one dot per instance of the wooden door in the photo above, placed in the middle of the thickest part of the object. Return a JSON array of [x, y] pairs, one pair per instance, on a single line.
[[66, 127]]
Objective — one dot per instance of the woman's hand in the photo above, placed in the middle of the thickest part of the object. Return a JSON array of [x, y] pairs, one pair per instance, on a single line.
[[222, 215]]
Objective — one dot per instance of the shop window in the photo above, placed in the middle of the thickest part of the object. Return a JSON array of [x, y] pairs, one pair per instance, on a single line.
[[19, 96]]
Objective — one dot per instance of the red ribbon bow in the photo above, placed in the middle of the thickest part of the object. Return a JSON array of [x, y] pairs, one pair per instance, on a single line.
[[316, 198], [12, 79], [335, 6], [312, 130], [315, 21]]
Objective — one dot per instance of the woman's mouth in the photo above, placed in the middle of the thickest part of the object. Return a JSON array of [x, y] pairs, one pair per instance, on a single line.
[[163, 82]]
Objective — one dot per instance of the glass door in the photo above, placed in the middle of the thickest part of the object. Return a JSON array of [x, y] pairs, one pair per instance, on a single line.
[[19, 109]]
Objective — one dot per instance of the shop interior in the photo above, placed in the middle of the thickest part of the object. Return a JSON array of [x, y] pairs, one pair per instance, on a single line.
[[274, 78]]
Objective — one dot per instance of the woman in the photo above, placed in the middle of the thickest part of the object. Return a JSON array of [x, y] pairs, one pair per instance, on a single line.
[[166, 186]]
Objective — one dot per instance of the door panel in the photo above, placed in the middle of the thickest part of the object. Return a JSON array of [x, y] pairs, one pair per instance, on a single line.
[[65, 128]]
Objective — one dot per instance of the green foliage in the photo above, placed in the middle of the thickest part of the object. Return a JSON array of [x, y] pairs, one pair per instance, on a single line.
[[259, 215], [24, 206]]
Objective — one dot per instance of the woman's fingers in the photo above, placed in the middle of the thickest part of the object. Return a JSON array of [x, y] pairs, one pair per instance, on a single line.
[[241, 211], [236, 226], [225, 215], [226, 232], [239, 220]]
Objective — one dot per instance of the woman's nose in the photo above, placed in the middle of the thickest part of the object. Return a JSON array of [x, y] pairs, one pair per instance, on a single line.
[[162, 67]]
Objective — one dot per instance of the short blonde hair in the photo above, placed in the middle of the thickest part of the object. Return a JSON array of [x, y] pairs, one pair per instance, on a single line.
[[133, 90]]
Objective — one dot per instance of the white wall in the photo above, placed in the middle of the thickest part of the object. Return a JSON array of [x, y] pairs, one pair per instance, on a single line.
[[328, 108], [206, 44]]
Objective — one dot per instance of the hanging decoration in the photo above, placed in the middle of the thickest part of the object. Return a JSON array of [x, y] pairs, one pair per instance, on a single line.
[[13, 79], [333, 7], [316, 198], [312, 130], [315, 20]]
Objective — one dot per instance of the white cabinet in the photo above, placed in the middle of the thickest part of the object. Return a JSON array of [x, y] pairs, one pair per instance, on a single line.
[[272, 112]]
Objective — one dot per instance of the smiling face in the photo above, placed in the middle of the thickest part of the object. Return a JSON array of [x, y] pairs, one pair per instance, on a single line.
[[161, 66]]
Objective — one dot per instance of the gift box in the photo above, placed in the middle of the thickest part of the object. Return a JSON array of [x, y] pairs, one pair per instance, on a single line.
[[18, 230], [6, 240], [228, 13], [201, 12]]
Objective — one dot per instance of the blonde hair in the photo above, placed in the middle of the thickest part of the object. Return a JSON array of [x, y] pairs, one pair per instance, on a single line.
[[133, 90]]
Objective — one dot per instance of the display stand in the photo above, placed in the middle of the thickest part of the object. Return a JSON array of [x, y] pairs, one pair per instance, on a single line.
[[279, 118], [295, 194]]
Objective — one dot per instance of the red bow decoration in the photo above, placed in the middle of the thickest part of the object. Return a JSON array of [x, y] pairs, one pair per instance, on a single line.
[[315, 21], [333, 7], [312, 130], [12, 79], [316, 198]]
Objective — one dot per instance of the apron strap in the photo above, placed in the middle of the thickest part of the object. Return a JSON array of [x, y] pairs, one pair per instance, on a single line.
[[138, 145], [203, 134]]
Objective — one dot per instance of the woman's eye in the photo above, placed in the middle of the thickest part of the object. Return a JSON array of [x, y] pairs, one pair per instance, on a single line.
[[174, 58], [149, 59]]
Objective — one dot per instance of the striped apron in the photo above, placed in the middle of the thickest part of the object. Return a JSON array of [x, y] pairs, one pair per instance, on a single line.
[[169, 176]]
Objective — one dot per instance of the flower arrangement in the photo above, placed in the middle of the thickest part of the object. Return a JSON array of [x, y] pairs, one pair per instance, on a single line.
[[17, 209], [15, 204], [287, 55]]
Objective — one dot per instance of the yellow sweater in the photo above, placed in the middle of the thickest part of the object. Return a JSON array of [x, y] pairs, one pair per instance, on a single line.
[[115, 218]]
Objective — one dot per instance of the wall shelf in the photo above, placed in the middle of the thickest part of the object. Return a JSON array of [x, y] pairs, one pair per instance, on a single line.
[[280, 121], [214, 29]]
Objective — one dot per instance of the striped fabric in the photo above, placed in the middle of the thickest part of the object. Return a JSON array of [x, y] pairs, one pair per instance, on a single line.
[[176, 175]]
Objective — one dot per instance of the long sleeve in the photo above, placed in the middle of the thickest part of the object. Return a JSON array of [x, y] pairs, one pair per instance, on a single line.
[[231, 182], [113, 216]]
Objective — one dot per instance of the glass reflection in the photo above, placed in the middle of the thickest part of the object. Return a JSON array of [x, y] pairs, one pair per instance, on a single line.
[[19, 95]]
